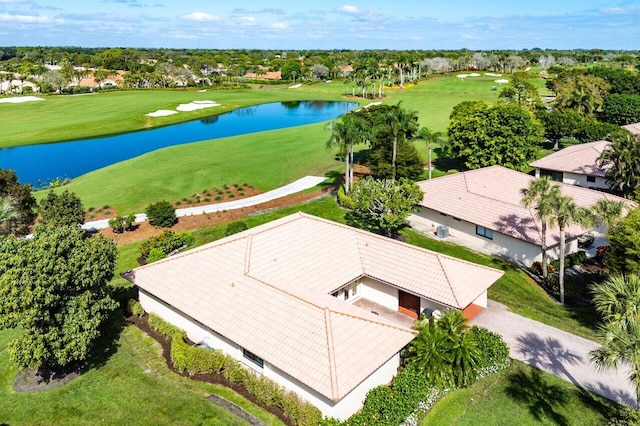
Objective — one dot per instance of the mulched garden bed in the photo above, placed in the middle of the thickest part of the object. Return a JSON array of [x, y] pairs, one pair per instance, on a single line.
[[143, 324]]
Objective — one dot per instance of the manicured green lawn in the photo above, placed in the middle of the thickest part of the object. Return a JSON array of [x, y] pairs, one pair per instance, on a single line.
[[133, 387], [521, 395], [264, 160]]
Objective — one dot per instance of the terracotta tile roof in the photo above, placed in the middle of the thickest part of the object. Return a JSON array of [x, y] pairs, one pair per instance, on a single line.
[[490, 197], [581, 159], [633, 128], [267, 289]]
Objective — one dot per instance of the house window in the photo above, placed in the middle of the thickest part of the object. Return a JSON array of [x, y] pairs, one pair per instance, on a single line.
[[253, 358], [553, 175], [484, 232], [591, 179], [349, 292]]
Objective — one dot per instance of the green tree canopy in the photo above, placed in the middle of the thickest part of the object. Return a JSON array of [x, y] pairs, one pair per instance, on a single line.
[[624, 244], [22, 201], [621, 159], [63, 209], [621, 109], [521, 91], [383, 205], [54, 288], [618, 301], [483, 135]]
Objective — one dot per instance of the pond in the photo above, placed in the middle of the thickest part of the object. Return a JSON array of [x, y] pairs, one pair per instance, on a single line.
[[40, 164]]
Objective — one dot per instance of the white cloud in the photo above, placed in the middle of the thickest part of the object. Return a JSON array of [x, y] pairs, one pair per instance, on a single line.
[[279, 26], [200, 17], [248, 19], [618, 10], [347, 8], [28, 19]]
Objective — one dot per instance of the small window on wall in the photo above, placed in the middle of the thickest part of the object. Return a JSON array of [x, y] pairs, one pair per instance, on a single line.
[[591, 179], [484, 232], [253, 358]]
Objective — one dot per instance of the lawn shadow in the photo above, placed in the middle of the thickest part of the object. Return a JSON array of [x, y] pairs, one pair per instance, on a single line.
[[542, 398], [548, 354], [617, 395], [107, 344]]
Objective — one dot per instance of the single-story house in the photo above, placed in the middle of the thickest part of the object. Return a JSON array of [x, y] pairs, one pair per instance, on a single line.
[[634, 128], [575, 165], [310, 303], [483, 209]]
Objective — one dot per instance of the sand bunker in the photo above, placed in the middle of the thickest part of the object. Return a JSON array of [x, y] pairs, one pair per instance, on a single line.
[[196, 105], [20, 99], [474, 74], [372, 104], [502, 81], [162, 113], [492, 74], [295, 86]]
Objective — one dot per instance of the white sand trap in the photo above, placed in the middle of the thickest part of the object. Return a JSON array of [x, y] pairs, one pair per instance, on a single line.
[[162, 113], [462, 75], [20, 99], [372, 104], [295, 86], [502, 81], [202, 91], [196, 105], [475, 74], [492, 74]]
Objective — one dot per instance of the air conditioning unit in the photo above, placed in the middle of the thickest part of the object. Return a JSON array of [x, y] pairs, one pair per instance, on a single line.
[[442, 231]]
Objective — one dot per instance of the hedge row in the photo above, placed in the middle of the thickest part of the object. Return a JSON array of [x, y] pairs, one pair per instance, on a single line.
[[193, 360], [160, 246]]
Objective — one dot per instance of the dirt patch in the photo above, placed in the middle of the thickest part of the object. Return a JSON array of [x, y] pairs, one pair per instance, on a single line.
[[188, 223], [40, 380], [104, 212], [217, 195], [143, 324]]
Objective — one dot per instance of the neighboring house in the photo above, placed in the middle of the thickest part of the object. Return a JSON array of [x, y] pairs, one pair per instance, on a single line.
[[575, 165], [284, 297], [634, 128], [483, 209], [267, 75]]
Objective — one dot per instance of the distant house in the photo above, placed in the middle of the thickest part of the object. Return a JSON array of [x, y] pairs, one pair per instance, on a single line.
[[575, 165], [319, 307], [483, 208], [267, 75]]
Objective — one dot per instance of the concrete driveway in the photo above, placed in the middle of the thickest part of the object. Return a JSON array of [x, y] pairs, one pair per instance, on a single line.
[[557, 352]]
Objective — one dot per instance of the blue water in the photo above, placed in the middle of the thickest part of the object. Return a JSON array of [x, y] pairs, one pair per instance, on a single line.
[[39, 164]]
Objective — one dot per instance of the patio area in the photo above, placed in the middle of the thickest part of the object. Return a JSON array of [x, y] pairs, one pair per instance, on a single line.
[[386, 313]]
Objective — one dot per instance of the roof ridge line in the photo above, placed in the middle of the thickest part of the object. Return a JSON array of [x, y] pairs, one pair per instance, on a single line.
[[332, 356], [444, 271]]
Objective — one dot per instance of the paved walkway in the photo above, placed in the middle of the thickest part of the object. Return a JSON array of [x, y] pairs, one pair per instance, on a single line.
[[297, 186], [555, 351]]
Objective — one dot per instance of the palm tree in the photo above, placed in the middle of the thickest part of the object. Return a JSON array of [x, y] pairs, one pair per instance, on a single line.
[[564, 213], [540, 194], [607, 212], [618, 301], [399, 121], [621, 158], [8, 209], [430, 137], [445, 352], [344, 134]]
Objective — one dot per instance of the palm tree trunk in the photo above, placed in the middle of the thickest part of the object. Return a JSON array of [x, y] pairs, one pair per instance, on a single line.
[[346, 172], [561, 272], [351, 168], [393, 157], [544, 250], [429, 160]]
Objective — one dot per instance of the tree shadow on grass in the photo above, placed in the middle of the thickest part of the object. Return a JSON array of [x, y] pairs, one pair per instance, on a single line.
[[107, 344], [543, 398]]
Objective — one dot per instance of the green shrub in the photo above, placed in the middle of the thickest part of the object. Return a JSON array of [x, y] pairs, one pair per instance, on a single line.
[[163, 327], [536, 268], [576, 258], [235, 227], [155, 254], [494, 351], [161, 214], [116, 223], [167, 242], [344, 200], [135, 308]]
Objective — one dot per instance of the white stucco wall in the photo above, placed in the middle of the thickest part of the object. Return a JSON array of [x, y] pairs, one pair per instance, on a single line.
[[580, 180], [481, 300], [351, 403], [380, 293], [344, 408], [464, 233]]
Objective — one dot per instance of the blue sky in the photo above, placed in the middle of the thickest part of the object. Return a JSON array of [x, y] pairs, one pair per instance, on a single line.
[[351, 24]]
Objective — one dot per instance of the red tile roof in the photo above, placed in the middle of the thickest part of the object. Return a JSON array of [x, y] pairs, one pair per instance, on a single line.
[[580, 159]]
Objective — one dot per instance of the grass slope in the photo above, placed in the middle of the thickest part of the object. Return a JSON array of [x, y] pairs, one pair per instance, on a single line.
[[265, 160], [133, 387], [521, 395]]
